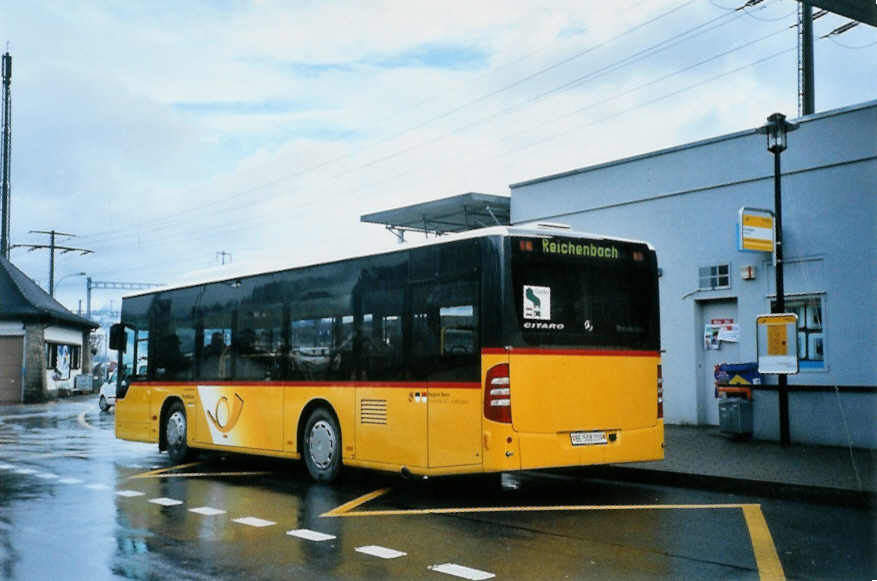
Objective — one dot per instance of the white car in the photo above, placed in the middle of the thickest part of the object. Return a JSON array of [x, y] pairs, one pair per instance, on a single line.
[[107, 397]]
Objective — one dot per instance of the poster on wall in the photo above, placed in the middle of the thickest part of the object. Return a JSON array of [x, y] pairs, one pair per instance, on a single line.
[[718, 330], [711, 337], [63, 365], [729, 333]]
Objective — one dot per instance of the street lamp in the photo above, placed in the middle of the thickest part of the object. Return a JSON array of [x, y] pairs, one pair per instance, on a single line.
[[68, 276], [777, 129]]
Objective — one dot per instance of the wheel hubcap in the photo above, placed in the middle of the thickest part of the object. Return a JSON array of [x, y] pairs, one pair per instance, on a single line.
[[322, 444], [176, 429]]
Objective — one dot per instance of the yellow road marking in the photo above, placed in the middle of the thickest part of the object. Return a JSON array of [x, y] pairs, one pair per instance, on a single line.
[[769, 566], [163, 470], [583, 507], [347, 506], [199, 474], [766, 558]]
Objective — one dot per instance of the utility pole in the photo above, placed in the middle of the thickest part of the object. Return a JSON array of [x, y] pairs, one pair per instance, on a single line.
[[5, 219], [222, 254], [52, 247], [806, 88]]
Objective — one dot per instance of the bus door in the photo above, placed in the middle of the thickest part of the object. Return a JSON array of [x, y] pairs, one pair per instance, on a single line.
[[390, 409], [445, 355]]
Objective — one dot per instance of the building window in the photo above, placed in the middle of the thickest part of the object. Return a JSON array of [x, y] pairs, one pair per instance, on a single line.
[[714, 277], [75, 357], [810, 330], [62, 358]]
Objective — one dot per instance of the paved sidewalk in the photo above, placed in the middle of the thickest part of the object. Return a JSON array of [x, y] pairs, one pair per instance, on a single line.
[[701, 455]]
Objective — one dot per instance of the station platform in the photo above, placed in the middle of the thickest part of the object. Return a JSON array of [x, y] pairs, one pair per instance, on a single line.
[[703, 457]]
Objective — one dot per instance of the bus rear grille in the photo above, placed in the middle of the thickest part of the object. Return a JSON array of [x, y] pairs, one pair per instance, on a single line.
[[373, 411]]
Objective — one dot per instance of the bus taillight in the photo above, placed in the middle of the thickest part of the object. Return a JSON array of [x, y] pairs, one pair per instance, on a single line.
[[660, 393], [498, 394]]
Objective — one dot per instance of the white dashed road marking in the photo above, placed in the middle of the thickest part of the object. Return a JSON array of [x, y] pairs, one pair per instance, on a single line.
[[310, 535], [166, 501], [306, 534], [206, 511], [252, 521], [461, 571], [382, 552]]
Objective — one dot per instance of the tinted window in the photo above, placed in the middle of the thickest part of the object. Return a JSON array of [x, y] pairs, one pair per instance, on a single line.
[[445, 342], [349, 320], [584, 294]]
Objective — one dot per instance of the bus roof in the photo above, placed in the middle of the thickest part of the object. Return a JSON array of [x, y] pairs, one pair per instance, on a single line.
[[527, 229]]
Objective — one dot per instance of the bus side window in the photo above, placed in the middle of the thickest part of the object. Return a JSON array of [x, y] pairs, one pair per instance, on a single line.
[[260, 342], [216, 354], [445, 344], [141, 368], [380, 335]]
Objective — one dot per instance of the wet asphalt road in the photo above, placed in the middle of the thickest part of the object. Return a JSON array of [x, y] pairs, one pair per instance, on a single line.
[[75, 503]]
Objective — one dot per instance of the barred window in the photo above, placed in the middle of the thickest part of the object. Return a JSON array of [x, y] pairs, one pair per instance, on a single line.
[[714, 277]]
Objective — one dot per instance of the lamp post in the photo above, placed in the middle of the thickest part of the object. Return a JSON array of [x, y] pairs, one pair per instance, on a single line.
[[777, 129]]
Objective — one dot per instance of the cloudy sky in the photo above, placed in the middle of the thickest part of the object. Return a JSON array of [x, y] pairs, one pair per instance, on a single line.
[[163, 133]]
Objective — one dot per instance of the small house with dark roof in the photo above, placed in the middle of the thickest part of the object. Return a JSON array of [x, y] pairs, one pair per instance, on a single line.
[[43, 346]]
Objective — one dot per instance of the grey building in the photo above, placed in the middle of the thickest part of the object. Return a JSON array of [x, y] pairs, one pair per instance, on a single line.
[[685, 201], [43, 346]]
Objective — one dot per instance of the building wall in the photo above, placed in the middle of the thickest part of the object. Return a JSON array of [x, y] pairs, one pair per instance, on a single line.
[[685, 201], [34, 364]]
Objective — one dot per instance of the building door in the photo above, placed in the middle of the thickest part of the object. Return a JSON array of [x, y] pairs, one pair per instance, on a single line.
[[711, 352], [10, 369]]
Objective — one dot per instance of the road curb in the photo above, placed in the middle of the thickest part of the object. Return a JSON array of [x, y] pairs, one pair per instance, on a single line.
[[779, 490]]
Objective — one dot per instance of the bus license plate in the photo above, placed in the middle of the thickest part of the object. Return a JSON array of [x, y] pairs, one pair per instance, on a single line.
[[587, 438]]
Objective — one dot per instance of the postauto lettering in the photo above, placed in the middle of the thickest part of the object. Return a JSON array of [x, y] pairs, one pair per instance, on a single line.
[[575, 249]]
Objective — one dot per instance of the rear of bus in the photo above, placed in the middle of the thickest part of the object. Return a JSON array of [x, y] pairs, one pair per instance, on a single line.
[[575, 378]]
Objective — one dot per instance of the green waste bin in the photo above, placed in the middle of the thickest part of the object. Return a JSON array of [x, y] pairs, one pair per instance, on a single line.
[[735, 416]]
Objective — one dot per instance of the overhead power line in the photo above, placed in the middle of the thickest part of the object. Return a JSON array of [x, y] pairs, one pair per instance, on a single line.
[[200, 207], [237, 225], [841, 29], [665, 44]]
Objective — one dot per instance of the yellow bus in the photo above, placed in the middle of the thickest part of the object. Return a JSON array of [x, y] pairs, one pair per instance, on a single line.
[[501, 349]]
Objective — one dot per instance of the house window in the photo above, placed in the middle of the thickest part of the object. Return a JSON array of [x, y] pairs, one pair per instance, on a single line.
[[63, 356], [714, 277], [810, 330]]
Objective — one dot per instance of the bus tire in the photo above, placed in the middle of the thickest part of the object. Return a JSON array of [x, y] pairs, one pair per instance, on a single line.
[[175, 433], [321, 447]]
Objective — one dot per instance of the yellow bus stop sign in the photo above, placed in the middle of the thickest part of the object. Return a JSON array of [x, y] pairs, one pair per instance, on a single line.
[[777, 343], [756, 230]]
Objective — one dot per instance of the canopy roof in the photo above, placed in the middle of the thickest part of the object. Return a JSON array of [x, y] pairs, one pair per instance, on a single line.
[[454, 214]]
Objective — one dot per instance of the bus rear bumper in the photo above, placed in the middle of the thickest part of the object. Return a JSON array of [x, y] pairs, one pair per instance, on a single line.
[[556, 450]]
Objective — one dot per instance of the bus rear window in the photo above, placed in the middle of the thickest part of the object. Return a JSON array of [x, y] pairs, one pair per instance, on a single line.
[[574, 293]]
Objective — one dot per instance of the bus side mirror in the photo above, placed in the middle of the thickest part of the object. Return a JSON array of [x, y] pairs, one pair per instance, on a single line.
[[118, 338]]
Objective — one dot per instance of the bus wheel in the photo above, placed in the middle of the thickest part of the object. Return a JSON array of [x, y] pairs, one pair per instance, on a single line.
[[322, 446], [175, 433]]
